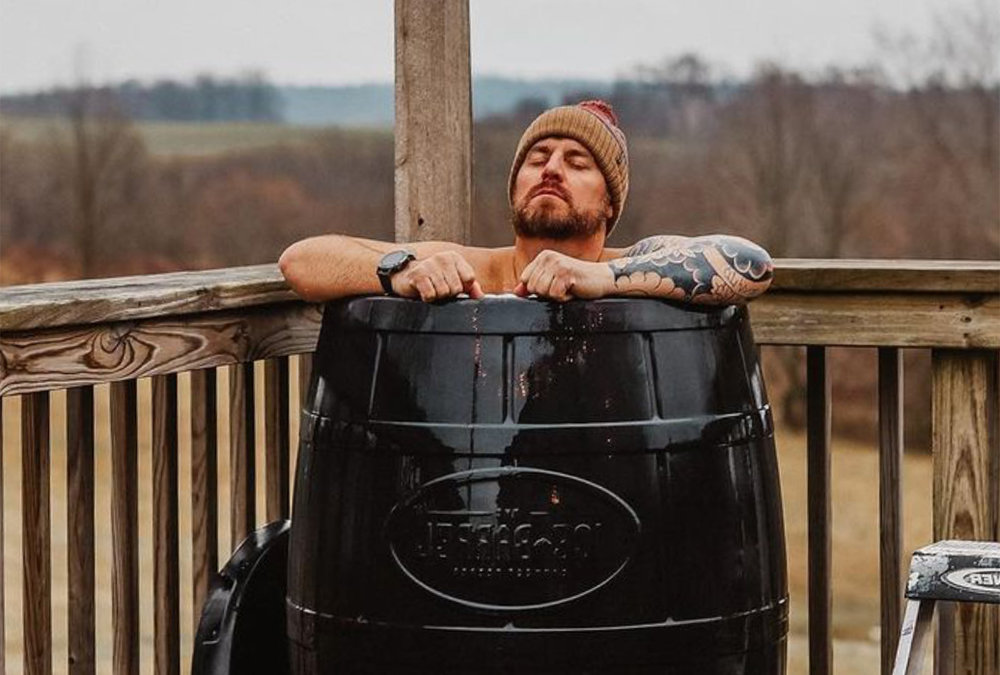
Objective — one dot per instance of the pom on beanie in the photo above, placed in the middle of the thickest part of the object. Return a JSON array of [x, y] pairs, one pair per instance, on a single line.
[[602, 108], [595, 126]]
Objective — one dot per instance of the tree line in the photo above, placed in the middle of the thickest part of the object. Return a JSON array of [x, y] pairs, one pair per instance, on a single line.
[[247, 98]]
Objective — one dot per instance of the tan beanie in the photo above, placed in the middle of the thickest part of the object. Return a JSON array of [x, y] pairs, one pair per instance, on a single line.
[[594, 125]]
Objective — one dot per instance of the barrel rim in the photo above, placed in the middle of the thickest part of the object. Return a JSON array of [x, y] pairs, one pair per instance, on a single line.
[[512, 315]]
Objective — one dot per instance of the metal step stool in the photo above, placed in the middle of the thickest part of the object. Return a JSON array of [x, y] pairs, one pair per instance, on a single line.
[[952, 571]]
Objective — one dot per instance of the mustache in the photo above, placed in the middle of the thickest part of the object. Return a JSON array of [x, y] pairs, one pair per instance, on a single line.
[[550, 186]]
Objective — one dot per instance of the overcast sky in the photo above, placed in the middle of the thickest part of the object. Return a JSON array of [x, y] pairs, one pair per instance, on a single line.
[[45, 42]]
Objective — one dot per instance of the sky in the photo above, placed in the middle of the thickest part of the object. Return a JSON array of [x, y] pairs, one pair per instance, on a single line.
[[49, 42]]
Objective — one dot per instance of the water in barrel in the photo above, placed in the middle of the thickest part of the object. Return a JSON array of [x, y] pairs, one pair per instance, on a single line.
[[514, 486]]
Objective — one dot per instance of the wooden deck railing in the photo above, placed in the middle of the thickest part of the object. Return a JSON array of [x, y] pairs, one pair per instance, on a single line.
[[74, 336]]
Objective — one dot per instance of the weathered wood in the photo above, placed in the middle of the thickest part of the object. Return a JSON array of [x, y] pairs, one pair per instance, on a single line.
[[277, 439], [50, 359], [80, 526], [433, 121], [36, 537], [3, 621], [890, 418], [204, 486], [89, 301], [242, 455], [166, 585], [124, 528], [818, 416], [305, 376], [40, 360], [163, 295], [878, 319], [881, 276], [965, 439]]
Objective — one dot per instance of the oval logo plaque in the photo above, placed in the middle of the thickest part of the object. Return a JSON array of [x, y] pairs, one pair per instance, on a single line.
[[512, 539], [979, 580]]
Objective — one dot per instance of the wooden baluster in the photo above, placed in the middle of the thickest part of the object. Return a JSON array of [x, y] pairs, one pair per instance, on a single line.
[[890, 421], [36, 539], [820, 591], [966, 443], [80, 525], [124, 527], [305, 376], [204, 486], [242, 469], [276, 425], [3, 646], [166, 591]]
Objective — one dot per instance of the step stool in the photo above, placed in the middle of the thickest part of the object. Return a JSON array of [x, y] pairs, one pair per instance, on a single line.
[[951, 571]]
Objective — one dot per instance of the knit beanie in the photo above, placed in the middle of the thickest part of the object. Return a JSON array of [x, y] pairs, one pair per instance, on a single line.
[[595, 126]]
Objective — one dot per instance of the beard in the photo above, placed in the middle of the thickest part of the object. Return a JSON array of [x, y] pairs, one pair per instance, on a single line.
[[540, 223]]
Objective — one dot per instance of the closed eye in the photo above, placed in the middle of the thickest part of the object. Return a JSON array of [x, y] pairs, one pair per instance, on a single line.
[[578, 160]]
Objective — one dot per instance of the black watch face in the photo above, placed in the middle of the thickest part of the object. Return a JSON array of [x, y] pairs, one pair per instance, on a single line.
[[393, 260]]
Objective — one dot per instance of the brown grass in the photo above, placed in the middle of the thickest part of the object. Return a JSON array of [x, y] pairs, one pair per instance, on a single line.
[[855, 545]]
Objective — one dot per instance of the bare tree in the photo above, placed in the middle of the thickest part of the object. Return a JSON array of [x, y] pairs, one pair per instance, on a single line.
[[103, 152], [764, 149], [843, 148], [952, 85]]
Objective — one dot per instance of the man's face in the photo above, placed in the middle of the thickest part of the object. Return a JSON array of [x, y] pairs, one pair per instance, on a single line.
[[559, 192]]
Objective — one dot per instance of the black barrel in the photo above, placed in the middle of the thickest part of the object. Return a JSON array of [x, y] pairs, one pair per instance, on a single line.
[[515, 486]]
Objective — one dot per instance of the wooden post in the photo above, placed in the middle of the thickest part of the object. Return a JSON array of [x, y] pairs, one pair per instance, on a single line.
[[966, 444], [204, 485], [80, 530], [890, 424], [277, 451], [819, 416], [242, 454], [433, 121], [37, 538], [3, 621], [166, 576], [125, 527]]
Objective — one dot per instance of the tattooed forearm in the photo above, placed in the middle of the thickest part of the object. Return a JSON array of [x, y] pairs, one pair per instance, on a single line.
[[714, 270]]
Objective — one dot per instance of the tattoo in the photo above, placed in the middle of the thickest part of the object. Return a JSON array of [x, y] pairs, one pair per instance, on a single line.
[[714, 270]]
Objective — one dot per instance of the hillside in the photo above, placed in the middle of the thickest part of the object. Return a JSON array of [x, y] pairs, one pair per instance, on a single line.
[[372, 104], [364, 105]]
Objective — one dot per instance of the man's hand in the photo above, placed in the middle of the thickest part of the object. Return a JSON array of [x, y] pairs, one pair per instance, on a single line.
[[436, 277], [560, 277]]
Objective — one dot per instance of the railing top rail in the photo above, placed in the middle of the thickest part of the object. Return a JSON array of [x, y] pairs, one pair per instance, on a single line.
[[878, 276], [92, 301], [71, 303]]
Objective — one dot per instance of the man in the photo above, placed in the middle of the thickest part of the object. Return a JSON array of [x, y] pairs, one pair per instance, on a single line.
[[567, 189]]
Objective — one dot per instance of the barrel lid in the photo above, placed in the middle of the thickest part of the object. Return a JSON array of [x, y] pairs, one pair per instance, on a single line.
[[510, 314]]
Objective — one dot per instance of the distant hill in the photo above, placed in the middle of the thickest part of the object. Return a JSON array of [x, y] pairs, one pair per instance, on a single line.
[[372, 104], [208, 99]]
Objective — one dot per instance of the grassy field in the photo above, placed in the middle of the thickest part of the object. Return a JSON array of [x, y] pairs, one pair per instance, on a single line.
[[855, 545], [189, 139]]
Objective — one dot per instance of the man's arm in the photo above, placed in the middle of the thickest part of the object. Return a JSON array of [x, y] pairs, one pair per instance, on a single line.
[[336, 266], [712, 270]]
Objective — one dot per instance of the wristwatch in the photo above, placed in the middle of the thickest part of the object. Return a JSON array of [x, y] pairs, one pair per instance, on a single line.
[[391, 263]]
